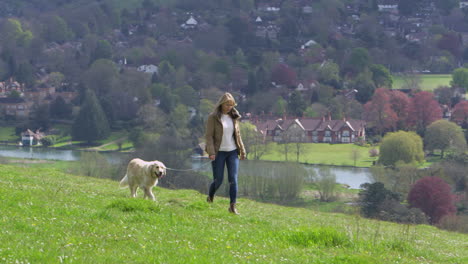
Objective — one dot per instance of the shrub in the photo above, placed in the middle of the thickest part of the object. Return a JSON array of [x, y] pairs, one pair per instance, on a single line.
[[48, 141], [281, 181], [434, 197], [457, 223], [326, 184], [94, 164], [393, 211], [374, 152]]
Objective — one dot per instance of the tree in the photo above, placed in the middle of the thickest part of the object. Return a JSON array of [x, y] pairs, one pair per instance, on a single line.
[[41, 117], [91, 123], [444, 95], [365, 86], [407, 8], [101, 77], [280, 106], [401, 146], [460, 78], [359, 60], [56, 29], [252, 84], [433, 196], [329, 74], [283, 74], [378, 112], [151, 118], [55, 79], [103, 50], [401, 105], [460, 114], [12, 34], [446, 5], [60, 109], [253, 141], [296, 104], [372, 197], [444, 135], [424, 110], [381, 76]]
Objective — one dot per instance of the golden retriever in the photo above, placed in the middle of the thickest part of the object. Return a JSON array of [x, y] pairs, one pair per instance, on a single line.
[[143, 174]]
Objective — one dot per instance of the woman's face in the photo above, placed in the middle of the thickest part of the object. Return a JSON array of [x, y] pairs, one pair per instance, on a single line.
[[227, 106]]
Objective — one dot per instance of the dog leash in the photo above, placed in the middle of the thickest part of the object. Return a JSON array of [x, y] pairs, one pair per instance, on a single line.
[[201, 166]]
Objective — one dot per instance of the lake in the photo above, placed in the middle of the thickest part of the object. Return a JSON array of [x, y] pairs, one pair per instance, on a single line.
[[353, 177]]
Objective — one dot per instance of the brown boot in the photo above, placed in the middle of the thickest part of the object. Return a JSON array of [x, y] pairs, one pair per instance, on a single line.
[[209, 199], [232, 209]]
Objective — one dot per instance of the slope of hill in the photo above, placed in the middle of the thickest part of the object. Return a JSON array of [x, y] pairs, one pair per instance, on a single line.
[[51, 217]]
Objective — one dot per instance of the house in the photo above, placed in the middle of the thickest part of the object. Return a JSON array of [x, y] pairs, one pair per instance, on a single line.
[[190, 23], [40, 94], [16, 107], [29, 138], [312, 130], [388, 6], [150, 68], [10, 85]]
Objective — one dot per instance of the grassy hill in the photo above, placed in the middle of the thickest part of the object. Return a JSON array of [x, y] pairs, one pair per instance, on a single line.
[[51, 217]]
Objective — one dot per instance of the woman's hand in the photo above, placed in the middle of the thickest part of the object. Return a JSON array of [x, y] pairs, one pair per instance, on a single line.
[[212, 157]]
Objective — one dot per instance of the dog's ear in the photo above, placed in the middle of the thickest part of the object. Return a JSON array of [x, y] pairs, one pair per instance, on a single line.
[[164, 171]]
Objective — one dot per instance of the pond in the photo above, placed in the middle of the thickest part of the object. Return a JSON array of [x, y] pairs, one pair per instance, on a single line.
[[353, 177], [52, 154]]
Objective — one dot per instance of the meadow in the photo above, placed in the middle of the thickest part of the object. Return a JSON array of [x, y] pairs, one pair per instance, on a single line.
[[322, 153], [428, 82], [49, 216]]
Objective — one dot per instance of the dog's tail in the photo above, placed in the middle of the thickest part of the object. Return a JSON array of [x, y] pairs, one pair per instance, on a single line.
[[124, 181]]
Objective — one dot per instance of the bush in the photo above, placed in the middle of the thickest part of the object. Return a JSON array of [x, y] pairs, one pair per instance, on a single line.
[[395, 212], [326, 184], [374, 152], [457, 223], [281, 181], [95, 165], [48, 141]]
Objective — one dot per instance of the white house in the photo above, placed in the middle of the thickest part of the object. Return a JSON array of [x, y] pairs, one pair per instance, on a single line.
[[151, 68], [190, 23]]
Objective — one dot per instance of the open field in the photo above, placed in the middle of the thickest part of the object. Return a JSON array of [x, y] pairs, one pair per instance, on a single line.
[[322, 153], [429, 82], [52, 217]]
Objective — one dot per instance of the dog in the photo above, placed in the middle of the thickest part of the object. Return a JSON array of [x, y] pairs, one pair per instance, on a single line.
[[143, 174]]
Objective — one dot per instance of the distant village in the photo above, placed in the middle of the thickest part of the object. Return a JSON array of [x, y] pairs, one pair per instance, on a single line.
[[265, 21]]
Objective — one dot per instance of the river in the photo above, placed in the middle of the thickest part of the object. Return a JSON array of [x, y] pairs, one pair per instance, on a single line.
[[353, 177]]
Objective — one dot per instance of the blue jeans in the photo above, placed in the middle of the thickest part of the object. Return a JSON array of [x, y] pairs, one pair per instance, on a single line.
[[231, 159]]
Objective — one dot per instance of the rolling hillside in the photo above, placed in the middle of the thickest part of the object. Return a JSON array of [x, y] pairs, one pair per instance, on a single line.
[[51, 217]]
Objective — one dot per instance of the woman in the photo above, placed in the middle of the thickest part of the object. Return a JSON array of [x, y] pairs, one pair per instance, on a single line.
[[224, 146]]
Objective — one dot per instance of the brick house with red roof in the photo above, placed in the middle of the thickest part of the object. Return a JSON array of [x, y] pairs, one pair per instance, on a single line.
[[312, 130]]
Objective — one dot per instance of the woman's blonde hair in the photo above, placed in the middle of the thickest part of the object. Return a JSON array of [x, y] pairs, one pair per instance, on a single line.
[[226, 97]]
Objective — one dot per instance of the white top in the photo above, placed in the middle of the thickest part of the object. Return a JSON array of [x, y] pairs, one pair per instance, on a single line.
[[227, 143]]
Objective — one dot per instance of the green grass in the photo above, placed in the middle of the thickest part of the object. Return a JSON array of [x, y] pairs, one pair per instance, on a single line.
[[51, 217], [322, 153], [8, 134], [429, 82]]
